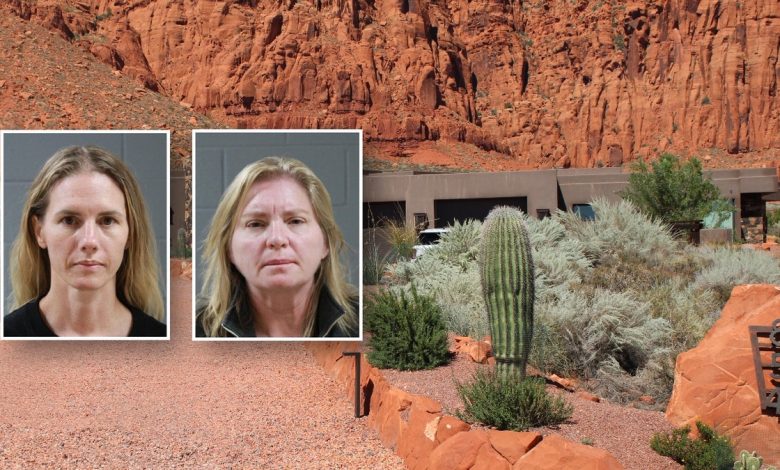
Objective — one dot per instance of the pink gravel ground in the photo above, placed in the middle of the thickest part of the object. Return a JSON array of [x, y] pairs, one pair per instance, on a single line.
[[177, 404]]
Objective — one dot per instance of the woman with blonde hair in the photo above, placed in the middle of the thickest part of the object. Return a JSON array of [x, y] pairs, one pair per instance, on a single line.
[[84, 261], [272, 256]]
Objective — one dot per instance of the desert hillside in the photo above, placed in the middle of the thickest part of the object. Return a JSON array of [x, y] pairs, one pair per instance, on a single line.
[[545, 83], [46, 83]]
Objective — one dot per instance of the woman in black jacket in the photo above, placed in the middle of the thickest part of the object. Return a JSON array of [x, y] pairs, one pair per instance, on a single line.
[[272, 259]]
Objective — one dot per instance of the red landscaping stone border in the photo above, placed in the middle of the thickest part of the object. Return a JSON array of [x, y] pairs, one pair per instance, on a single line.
[[181, 268], [415, 427]]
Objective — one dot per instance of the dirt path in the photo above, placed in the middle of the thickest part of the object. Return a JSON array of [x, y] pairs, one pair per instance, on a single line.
[[177, 404]]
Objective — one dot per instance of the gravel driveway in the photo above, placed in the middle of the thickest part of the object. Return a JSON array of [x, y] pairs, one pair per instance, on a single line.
[[177, 404]]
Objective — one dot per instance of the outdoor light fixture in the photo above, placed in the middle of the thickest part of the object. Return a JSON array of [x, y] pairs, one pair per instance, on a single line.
[[420, 220]]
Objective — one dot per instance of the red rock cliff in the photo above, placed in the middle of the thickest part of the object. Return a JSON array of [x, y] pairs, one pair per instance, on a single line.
[[554, 83]]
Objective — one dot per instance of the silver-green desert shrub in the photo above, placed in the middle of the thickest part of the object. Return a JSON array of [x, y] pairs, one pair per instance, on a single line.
[[733, 266], [690, 311], [549, 351], [607, 326], [620, 229], [455, 288], [560, 259], [457, 293], [459, 245], [654, 379]]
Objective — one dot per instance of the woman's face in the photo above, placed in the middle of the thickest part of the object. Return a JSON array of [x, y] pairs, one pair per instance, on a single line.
[[84, 230], [278, 243]]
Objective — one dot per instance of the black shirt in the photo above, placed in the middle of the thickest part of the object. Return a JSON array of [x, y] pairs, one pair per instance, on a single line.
[[240, 324], [27, 321]]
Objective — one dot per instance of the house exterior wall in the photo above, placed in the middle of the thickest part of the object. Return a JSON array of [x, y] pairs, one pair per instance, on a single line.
[[420, 191], [541, 187]]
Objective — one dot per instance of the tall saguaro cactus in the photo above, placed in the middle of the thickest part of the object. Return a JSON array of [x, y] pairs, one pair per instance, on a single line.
[[507, 275]]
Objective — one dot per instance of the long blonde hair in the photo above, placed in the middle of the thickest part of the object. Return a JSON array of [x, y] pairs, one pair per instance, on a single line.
[[225, 288], [137, 277]]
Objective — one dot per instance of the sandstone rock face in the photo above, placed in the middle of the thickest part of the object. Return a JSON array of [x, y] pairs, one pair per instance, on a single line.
[[553, 83], [716, 381]]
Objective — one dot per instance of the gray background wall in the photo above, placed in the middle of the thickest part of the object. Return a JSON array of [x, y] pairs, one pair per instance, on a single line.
[[179, 198], [145, 153], [333, 157]]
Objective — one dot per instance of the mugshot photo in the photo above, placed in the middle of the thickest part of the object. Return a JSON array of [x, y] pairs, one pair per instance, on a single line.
[[85, 234], [277, 234]]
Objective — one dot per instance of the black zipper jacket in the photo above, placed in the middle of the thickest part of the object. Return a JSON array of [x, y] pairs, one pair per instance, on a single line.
[[239, 324]]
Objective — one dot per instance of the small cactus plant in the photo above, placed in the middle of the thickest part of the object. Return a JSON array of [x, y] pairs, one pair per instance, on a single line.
[[749, 461], [507, 275]]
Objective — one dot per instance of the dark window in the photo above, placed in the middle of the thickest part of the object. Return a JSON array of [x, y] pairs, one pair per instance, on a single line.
[[753, 205], [447, 211], [584, 211]]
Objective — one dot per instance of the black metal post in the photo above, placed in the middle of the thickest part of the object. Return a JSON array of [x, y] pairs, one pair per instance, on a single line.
[[770, 398], [357, 381]]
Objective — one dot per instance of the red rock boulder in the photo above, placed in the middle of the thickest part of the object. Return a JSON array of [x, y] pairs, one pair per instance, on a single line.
[[555, 453], [478, 351], [513, 445], [459, 451], [716, 381]]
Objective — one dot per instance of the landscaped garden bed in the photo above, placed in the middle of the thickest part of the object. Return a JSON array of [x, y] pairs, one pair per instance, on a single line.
[[617, 300], [623, 431], [412, 410]]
